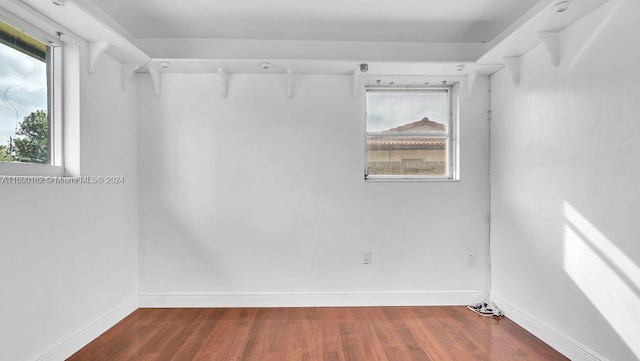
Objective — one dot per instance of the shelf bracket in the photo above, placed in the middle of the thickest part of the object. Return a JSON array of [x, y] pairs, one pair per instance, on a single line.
[[513, 64], [126, 72], [354, 89], [551, 40], [223, 82], [95, 51], [290, 83], [471, 79], [155, 77]]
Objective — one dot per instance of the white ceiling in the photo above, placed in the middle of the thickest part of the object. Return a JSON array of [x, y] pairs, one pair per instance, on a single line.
[[453, 21]]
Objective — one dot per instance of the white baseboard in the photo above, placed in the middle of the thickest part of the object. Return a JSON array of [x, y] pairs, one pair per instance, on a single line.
[[564, 344], [436, 298], [82, 338]]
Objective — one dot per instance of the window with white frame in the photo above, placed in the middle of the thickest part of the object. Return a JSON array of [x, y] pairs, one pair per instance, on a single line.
[[29, 69], [409, 134]]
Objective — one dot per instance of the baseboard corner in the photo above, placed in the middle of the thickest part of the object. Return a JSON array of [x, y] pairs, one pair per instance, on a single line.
[[564, 344], [82, 338]]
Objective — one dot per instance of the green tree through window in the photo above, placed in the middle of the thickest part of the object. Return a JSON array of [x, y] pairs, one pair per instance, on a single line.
[[32, 142]]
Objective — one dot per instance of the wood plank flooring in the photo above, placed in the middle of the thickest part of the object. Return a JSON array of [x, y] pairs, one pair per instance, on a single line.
[[315, 334]]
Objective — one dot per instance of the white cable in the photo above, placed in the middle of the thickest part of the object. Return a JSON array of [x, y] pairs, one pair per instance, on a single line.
[[486, 307]]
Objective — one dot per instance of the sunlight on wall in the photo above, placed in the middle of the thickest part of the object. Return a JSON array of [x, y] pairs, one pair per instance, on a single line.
[[594, 35], [605, 274]]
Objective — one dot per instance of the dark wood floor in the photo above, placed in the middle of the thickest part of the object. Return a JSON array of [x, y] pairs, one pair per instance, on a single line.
[[315, 334]]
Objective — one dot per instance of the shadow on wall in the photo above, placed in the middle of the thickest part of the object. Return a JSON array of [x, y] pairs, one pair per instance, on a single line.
[[605, 275], [178, 253]]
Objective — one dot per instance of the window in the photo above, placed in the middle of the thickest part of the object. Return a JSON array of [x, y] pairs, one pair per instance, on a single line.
[[409, 134], [28, 75]]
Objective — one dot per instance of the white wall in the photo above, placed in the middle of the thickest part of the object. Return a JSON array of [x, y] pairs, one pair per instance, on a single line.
[[565, 176], [69, 252], [260, 194]]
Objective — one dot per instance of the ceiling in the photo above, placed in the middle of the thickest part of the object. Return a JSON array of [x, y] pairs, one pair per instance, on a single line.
[[446, 21]]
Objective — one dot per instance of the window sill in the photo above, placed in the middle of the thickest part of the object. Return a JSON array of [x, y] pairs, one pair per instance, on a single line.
[[376, 179], [29, 169]]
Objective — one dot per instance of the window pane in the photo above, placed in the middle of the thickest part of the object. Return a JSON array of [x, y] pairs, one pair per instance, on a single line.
[[408, 133], [24, 85], [407, 111], [425, 156]]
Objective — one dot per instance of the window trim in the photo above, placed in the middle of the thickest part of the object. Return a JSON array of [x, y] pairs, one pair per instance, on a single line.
[[55, 104], [451, 135]]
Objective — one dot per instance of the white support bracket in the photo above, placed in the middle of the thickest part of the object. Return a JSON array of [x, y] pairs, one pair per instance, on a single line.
[[289, 83], [95, 51], [223, 82], [126, 72], [155, 77], [354, 89], [513, 64], [471, 79], [551, 40]]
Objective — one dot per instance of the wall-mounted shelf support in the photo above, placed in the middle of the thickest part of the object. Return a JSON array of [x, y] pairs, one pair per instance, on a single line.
[[155, 77], [513, 64], [95, 51], [471, 79], [290, 83], [354, 89], [223, 82], [127, 71], [542, 23], [551, 40]]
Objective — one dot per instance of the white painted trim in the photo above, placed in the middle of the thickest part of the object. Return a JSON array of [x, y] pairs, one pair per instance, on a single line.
[[156, 78], [551, 40], [513, 64], [223, 82], [471, 80], [522, 35], [436, 72], [275, 50], [354, 88], [281, 299], [77, 19], [126, 73], [30, 170], [289, 83], [95, 50], [82, 338], [564, 344]]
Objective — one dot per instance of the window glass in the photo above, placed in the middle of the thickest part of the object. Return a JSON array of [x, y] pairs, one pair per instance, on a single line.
[[408, 133], [24, 97]]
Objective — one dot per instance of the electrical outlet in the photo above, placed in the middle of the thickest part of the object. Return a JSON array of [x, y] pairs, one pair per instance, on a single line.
[[472, 259], [366, 257]]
